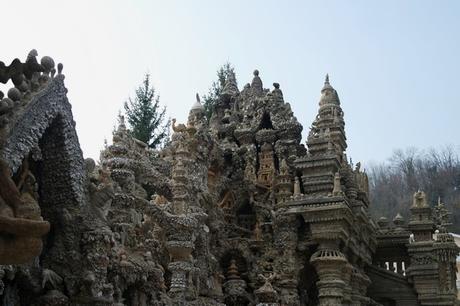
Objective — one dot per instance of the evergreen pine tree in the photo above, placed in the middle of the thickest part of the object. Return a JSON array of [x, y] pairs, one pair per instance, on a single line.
[[145, 117], [215, 91]]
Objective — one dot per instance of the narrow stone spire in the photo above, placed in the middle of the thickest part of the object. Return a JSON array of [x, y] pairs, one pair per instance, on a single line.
[[329, 124], [197, 105], [328, 90]]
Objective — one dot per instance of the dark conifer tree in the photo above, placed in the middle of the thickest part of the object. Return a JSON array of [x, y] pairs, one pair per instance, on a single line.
[[146, 118], [215, 91]]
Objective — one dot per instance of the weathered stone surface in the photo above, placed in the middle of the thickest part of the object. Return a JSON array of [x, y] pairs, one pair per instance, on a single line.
[[234, 211]]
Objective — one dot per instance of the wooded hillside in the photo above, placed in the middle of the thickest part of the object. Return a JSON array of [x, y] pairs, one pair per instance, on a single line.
[[436, 172]]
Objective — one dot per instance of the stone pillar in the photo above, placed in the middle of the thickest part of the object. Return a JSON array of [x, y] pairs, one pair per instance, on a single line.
[[360, 281], [399, 267], [286, 266], [180, 266], [329, 263], [179, 271]]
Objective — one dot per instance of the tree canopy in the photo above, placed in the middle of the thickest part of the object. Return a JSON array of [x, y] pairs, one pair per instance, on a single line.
[[210, 99], [146, 118], [436, 172]]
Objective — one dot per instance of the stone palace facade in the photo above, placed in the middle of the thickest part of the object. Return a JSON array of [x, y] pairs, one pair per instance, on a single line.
[[233, 211]]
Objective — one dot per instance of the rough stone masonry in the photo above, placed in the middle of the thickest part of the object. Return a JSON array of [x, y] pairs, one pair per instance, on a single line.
[[233, 211]]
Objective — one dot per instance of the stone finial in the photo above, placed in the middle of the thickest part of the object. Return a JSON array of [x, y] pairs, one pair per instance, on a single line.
[[60, 67], [47, 63], [398, 220], [383, 222], [327, 85], [197, 106], [277, 93], [256, 84], [14, 94], [328, 94], [419, 200]]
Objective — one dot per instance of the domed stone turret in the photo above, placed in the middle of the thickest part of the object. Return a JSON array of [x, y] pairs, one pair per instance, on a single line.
[[196, 116], [383, 222], [398, 221], [197, 106], [328, 94]]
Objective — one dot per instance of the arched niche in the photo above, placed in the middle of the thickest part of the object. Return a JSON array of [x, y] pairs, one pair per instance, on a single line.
[[240, 260], [307, 288], [266, 121], [246, 216], [44, 134]]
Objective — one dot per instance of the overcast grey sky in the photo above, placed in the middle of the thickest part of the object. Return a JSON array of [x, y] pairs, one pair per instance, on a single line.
[[395, 64]]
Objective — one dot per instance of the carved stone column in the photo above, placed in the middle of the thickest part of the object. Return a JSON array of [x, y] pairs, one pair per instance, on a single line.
[[286, 266], [360, 281], [180, 266], [329, 263]]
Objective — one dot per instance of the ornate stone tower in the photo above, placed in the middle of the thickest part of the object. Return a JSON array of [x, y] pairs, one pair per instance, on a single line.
[[331, 201], [432, 268], [266, 172], [233, 211]]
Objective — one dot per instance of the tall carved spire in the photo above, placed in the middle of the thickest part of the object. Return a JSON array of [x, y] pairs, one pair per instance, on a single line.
[[328, 94], [329, 125], [326, 146]]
